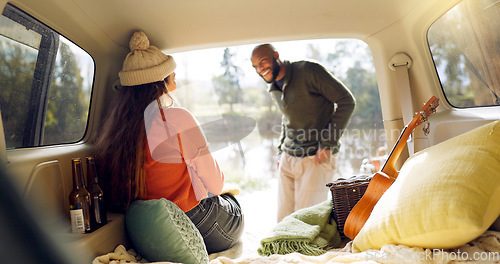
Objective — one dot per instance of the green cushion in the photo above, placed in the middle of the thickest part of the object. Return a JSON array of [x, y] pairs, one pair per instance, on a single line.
[[444, 196], [160, 231]]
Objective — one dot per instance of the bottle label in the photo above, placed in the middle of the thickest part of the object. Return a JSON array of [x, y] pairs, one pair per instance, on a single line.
[[77, 222]]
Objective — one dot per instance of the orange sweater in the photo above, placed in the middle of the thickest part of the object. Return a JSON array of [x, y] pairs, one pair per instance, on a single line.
[[180, 168]]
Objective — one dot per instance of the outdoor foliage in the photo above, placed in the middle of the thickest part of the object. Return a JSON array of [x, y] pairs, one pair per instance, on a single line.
[[17, 64], [65, 115], [64, 120]]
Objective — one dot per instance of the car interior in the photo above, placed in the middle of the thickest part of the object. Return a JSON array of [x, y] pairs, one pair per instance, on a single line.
[[59, 64]]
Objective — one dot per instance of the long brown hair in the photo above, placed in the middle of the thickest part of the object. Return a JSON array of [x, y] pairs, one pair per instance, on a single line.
[[120, 147]]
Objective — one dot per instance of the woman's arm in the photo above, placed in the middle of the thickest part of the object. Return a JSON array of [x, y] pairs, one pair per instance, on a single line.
[[203, 168]]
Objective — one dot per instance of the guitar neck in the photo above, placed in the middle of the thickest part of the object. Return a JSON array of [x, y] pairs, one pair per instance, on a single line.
[[389, 167]]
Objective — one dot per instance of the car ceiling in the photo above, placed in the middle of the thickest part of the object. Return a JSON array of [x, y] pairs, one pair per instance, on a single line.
[[181, 24]]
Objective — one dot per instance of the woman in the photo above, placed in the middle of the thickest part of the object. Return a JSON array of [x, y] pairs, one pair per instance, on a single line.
[[150, 149]]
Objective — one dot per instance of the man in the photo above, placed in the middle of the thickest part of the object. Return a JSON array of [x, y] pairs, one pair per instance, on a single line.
[[316, 108]]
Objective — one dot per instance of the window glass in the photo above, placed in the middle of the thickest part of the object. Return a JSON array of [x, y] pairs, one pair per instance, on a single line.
[[221, 84], [46, 82], [17, 65], [465, 48], [69, 95]]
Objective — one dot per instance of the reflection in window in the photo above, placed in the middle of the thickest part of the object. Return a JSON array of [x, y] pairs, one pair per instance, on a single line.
[[465, 47]]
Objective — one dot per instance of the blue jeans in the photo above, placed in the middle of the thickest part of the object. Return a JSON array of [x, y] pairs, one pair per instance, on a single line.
[[219, 220]]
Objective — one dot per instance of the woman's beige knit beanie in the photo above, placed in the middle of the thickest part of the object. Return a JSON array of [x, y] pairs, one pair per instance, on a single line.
[[145, 63]]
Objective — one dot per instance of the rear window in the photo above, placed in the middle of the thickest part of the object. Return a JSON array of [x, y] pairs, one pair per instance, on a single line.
[[465, 47], [46, 83]]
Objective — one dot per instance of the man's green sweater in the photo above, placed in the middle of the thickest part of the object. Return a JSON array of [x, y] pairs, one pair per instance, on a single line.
[[316, 109]]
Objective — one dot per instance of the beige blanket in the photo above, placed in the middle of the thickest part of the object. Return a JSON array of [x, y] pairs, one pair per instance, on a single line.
[[484, 249]]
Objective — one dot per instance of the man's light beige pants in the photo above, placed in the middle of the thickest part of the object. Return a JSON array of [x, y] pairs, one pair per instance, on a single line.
[[302, 183]]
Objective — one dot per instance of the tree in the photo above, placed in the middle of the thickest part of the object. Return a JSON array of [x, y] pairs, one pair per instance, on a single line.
[[227, 86], [17, 64], [67, 102], [351, 63], [363, 84]]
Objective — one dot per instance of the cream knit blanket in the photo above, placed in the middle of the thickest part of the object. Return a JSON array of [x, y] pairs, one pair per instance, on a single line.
[[484, 249]]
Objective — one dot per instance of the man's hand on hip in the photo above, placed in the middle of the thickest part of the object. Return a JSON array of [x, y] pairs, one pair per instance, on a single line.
[[322, 155]]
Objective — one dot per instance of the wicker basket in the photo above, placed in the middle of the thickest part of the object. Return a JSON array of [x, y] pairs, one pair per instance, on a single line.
[[345, 194]]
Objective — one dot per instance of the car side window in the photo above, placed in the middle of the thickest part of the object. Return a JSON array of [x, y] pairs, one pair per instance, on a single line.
[[465, 48], [45, 82]]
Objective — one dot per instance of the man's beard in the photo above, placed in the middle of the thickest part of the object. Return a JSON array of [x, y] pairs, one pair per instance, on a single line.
[[276, 70]]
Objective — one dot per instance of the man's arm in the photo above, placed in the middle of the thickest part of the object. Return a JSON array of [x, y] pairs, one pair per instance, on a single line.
[[336, 92]]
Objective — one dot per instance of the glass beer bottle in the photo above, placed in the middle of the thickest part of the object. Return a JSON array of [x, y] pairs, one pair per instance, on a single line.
[[79, 201], [98, 209]]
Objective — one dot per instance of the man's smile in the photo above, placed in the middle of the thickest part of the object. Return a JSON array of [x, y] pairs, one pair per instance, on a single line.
[[265, 72]]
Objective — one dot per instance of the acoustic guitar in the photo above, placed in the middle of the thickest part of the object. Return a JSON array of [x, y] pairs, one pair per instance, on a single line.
[[383, 179]]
